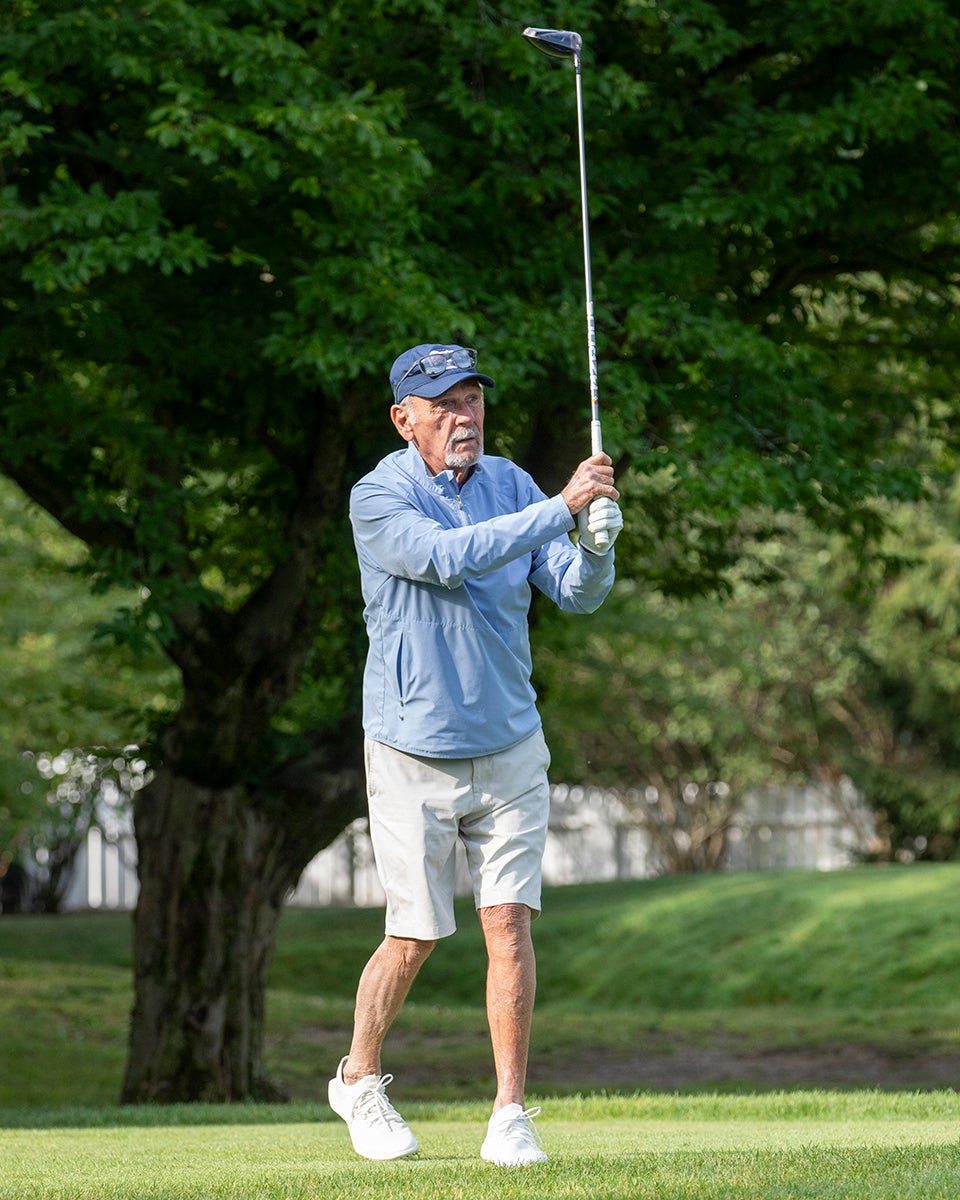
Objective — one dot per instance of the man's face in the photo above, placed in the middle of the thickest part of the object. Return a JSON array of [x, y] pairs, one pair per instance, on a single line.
[[447, 430]]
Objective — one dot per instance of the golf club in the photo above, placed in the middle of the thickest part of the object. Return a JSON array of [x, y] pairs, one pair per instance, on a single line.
[[564, 43]]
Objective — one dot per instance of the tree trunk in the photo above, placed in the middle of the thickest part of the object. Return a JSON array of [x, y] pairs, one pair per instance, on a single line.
[[209, 902], [215, 867], [221, 843]]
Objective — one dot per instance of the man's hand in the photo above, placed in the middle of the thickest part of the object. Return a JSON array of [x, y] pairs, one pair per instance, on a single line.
[[601, 516], [591, 498], [594, 477]]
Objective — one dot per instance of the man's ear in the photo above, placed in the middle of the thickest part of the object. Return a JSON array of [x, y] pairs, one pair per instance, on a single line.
[[400, 416]]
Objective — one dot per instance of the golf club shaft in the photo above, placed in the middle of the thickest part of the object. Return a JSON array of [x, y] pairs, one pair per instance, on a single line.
[[596, 438]]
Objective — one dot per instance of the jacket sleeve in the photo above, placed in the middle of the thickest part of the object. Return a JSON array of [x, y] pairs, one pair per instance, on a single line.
[[403, 540], [574, 579]]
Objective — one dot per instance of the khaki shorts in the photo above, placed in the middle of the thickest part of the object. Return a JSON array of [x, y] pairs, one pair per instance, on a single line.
[[497, 805]]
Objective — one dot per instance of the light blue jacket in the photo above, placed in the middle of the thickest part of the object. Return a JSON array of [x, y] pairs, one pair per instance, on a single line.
[[446, 574]]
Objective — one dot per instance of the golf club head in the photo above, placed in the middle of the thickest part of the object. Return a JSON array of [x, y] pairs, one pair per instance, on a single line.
[[558, 43]]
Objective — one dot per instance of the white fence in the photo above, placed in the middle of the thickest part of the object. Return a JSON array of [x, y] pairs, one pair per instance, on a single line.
[[593, 836]]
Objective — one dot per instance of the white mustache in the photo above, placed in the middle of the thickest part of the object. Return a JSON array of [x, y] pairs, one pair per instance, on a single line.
[[465, 434]]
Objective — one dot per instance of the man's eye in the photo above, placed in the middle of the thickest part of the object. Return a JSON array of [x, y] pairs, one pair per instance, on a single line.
[[442, 406]]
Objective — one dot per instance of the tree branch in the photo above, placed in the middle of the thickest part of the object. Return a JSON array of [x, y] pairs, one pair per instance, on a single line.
[[55, 495]]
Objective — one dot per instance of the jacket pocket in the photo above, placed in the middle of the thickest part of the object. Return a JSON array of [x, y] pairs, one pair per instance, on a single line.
[[401, 687]]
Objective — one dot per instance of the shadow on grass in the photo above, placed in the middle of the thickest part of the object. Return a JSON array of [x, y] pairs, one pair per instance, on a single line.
[[153, 1116]]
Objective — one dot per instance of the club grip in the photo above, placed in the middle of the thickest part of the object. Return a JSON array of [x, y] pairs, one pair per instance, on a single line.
[[596, 447]]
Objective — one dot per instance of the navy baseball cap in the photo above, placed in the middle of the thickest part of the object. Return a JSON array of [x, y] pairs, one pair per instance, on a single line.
[[431, 369]]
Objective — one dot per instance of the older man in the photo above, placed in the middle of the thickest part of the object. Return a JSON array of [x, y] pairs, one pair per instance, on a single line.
[[449, 542]]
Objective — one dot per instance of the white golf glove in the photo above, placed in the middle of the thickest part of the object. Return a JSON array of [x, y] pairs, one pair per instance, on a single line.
[[602, 514]]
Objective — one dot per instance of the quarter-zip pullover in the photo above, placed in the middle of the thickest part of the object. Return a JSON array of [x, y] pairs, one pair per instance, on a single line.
[[446, 573]]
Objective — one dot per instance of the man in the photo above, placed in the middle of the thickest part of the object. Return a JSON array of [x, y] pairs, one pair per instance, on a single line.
[[449, 541]]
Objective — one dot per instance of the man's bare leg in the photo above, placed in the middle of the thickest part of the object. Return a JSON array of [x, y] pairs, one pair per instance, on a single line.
[[511, 987], [383, 987]]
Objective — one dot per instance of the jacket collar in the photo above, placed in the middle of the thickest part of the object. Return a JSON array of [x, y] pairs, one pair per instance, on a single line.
[[444, 482]]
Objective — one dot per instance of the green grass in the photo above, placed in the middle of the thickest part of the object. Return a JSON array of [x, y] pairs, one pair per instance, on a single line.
[[689, 942], [754, 967], [811, 1144], [652, 973], [736, 964]]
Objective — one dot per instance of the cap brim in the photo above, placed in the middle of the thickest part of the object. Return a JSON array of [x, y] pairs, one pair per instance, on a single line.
[[423, 385]]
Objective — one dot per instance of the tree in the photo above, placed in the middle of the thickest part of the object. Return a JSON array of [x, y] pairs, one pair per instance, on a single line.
[[82, 790], [805, 670], [911, 644], [685, 705], [219, 224], [63, 688]]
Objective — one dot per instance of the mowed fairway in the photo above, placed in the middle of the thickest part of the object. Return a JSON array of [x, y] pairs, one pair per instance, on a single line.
[[799, 1144]]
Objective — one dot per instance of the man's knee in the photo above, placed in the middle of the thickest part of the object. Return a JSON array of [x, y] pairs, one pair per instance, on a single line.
[[506, 925], [409, 954]]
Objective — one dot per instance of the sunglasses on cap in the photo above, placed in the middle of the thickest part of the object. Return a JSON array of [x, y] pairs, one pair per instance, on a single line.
[[438, 361]]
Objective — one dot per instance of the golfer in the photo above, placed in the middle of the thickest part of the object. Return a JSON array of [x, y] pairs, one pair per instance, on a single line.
[[449, 542]]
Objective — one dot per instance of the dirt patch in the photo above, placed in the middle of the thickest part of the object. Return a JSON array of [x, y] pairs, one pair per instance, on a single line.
[[428, 1061], [704, 1066]]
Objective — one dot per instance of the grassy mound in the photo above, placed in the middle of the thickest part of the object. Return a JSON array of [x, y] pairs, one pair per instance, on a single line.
[[682, 983]]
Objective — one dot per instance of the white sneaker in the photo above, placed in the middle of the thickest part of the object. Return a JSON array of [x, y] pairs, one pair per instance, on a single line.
[[512, 1139], [376, 1128]]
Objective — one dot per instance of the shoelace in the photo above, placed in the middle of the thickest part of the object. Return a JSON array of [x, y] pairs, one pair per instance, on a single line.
[[521, 1126], [373, 1106]]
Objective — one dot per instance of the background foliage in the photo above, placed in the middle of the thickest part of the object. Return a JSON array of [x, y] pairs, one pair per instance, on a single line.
[[63, 687], [221, 221]]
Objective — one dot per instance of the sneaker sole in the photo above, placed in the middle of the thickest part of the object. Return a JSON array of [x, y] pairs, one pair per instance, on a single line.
[[513, 1162], [386, 1157]]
